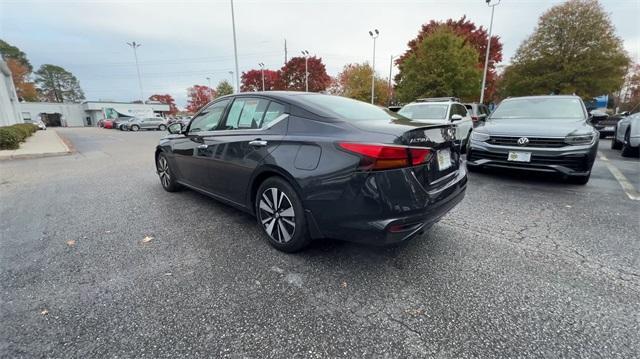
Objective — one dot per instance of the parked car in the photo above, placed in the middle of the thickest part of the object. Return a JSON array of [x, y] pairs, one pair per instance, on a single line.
[[120, 122], [478, 111], [309, 165], [41, 125], [604, 123], [537, 133], [441, 111], [107, 123], [148, 123], [627, 135]]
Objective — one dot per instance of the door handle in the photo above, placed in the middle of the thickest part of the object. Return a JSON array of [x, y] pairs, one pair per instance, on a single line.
[[258, 142], [203, 146]]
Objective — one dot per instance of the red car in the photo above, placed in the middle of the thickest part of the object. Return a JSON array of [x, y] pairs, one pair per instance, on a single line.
[[107, 123]]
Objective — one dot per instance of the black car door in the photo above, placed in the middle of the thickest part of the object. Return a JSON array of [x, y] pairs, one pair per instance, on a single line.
[[253, 127], [189, 150]]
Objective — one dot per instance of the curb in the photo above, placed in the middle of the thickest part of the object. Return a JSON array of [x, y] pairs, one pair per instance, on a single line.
[[65, 142]]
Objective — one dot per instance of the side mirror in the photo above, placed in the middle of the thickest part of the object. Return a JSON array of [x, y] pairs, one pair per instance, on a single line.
[[456, 117], [175, 128]]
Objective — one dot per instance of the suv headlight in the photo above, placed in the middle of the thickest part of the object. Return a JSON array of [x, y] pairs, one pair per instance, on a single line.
[[579, 140], [479, 136]]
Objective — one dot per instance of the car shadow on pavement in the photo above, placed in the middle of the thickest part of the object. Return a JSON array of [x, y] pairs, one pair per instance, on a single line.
[[528, 177]]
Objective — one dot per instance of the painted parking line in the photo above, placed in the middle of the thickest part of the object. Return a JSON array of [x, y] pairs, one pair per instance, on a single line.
[[627, 187]]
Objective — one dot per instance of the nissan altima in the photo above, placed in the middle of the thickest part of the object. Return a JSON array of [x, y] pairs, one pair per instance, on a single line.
[[537, 133], [312, 166]]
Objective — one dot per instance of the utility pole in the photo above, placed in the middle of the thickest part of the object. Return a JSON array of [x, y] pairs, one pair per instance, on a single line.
[[374, 35], [232, 80], [305, 53], [235, 47], [486, 58], [285, 51], [390, 69], [134, 45], [262, 72], [210, 89]]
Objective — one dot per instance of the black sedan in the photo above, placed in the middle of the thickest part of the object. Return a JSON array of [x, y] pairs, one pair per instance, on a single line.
[[312, 166]]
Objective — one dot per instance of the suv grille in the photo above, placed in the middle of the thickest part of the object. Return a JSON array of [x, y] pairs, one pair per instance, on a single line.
[[533, 141], [574, 162]]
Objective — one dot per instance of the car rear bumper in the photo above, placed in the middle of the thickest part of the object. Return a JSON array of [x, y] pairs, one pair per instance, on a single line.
[[569, 160], [387, 212]]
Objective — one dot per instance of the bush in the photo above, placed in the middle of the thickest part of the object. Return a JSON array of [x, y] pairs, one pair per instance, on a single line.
[[11, 136]]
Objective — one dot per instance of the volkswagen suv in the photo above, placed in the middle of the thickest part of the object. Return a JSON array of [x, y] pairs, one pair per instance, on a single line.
[[537, 133]]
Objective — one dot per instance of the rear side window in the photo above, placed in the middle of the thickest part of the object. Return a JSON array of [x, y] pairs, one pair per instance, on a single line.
[[345, 108], [274, 111], [246, 113]]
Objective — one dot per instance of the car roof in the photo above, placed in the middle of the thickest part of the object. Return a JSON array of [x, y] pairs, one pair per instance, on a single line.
[[542, 96]]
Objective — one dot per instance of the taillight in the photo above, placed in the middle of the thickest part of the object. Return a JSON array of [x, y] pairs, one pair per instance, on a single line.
[[384, 157], [474, 118]]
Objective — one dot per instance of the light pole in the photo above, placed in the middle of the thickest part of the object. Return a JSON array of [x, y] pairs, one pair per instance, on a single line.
[[235, 47], [134, 45], [305, 53], [210, 89], [486, 58], [262, 72], [374, 35], [231, 73], [390, 70]]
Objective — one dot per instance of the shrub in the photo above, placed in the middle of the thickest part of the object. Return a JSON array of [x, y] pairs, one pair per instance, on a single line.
[[11, 136]]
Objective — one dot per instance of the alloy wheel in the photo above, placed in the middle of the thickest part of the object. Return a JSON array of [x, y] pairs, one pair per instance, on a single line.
[[163, 172], [277, 215]]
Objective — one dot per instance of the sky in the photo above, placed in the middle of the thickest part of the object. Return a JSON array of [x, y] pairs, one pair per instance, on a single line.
[[184, 42]]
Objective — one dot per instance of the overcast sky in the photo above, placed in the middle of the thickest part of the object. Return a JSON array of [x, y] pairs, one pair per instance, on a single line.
[[183, 42]]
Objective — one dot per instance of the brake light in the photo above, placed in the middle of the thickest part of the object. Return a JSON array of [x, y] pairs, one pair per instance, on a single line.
[[384, 157], [474, 118]]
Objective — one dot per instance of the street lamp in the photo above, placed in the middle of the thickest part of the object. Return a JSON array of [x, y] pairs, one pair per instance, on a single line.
[[374, 35], [390, 70], [235, 47], [210, 89], [486, 58], [134, 45], [305, 53], [262, 72], [231, 73]]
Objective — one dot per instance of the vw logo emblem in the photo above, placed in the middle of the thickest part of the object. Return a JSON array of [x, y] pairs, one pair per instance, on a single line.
[[523, 141]]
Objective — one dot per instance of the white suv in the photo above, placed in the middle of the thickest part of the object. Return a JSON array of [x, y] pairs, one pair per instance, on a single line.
[[441, 110]]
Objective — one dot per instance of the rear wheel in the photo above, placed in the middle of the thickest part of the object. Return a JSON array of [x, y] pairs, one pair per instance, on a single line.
[[627, 150], [162, 127], [280, 214], [167, 177], [135, 128], [615, 144]]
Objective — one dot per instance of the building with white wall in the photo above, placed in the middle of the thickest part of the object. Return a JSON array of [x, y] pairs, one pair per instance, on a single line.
[[9, 105]]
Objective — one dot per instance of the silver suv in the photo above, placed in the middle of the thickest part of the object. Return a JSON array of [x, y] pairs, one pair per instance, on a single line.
[[148, 123], [440, 111]]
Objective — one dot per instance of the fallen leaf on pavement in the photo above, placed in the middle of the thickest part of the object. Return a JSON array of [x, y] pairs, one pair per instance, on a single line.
[[71, 242], [147, 239], [44, 312], [343, 285]]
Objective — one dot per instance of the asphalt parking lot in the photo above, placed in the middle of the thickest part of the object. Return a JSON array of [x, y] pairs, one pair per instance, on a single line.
[[525, 266]]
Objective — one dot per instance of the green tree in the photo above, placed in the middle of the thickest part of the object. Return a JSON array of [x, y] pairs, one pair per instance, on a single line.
[[355, 82], [224, 88], [574, 49], [55, 84], [9, 51], [443, 64]]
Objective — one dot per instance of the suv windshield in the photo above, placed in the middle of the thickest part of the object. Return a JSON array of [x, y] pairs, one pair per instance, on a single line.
[[347, 109], [424, 111], [542, 108]]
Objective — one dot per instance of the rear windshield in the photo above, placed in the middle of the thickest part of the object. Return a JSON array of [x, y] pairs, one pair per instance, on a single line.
[[425, 111], [543, 108], [348, 109]]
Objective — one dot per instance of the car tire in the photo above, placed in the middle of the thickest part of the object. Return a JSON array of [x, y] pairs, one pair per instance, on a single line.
[[280, 215], [627, 150], [135, 128], [581, 180], [602, 135], [162, 128], [166, 174], [615, 144]]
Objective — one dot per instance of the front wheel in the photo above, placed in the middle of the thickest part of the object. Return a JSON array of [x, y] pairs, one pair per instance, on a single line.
[[627, 150], [162, 127], [280, 214], [615, 144], [135, 128], [167, 176]]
